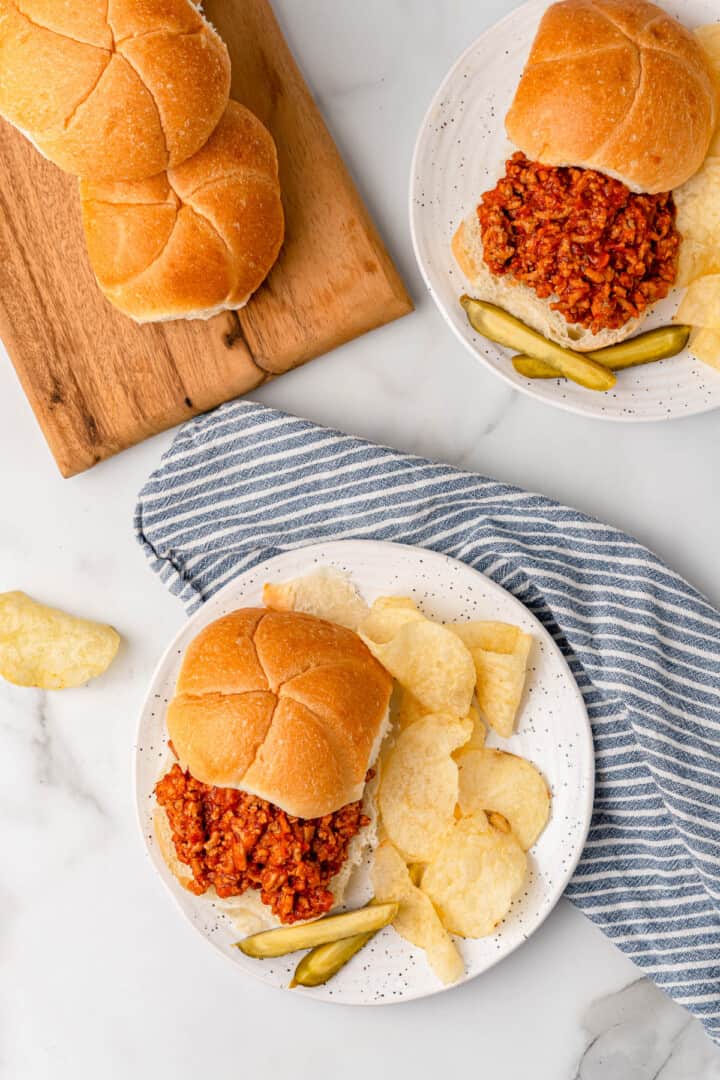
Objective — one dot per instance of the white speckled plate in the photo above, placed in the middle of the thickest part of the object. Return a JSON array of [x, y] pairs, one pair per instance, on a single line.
[[553, 731], [460, 152]]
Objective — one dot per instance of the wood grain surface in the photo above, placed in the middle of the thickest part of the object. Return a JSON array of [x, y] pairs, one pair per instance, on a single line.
[[98, 382]]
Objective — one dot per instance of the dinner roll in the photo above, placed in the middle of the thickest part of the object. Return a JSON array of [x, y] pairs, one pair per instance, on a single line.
[[618, 86], [119, 90], [284, 706], [193, 241]]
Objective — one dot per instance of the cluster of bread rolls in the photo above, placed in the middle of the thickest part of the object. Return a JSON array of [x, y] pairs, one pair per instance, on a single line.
[[179, 185]]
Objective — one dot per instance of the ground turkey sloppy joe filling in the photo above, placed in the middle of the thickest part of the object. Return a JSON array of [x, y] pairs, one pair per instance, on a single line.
[[605, 253], [237, 841]]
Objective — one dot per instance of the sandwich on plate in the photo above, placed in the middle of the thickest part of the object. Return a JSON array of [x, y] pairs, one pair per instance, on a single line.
[[275, 725], [579, 238]]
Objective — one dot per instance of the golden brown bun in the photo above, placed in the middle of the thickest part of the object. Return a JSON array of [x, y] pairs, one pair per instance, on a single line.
[[282, 705], [112, 91], [618, 86], [196, 240], [522, 301]]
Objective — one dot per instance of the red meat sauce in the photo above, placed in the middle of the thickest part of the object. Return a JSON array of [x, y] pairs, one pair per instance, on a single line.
[[605, 253], [237, 841]]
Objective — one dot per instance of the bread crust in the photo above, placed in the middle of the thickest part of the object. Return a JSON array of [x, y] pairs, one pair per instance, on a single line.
[[282, 705], [195, 240], [618, 86], [125, 94]]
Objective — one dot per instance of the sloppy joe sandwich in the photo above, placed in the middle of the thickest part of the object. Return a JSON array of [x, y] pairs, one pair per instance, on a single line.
[[616, 108], [276, 722]]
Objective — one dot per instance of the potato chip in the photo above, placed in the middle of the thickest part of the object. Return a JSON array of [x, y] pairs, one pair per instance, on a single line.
[[416, 921], [432, 663], [416, 871], [701, 304], [419, 785], [41, 646], [410, 710], [698, 221], [497, 821], [387, 616], [709, 37], [705, 345], [500, 652], [326, 593], [710, 40], [493, 636], [493, 780], [479, 732], [500, 684], [475, 876]]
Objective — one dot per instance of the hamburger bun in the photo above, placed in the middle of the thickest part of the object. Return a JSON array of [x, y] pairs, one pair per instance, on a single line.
[[112, 92], [520, 300], [247, 911], [193, 241], [284, 706], [618, 86]]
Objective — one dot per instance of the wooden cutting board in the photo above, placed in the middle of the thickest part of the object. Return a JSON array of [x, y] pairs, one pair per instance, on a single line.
[[99, 383]]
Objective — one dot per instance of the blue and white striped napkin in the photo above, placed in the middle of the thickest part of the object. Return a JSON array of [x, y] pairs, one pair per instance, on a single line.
[[246, 482]]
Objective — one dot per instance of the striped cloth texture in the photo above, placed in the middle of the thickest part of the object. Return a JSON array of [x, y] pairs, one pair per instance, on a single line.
[[247, 482]]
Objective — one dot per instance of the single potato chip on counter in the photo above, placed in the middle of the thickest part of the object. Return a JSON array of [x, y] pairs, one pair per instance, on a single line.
[[46, 648], [326, 593], [419, 785], [387, 616], [493, 780], [416, 920], [432, 663], [475, 876]]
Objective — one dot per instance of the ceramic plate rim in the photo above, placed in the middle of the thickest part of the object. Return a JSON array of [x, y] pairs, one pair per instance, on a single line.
[[326, 550]]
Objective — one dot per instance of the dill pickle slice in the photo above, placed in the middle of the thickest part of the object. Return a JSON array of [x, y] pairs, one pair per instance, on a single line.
[[324, 961], [502, 327], [289, 939], [659, 344]]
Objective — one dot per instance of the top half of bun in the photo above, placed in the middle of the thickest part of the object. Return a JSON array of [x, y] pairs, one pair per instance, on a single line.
[[121, 90], [618, 86], [285, 706]]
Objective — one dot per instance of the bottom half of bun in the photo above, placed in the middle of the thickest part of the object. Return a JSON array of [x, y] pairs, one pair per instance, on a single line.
[[247, 912], [520, 300]]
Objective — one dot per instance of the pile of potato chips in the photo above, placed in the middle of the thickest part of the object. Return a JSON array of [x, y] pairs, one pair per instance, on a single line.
[[698, 220], [456, 817]]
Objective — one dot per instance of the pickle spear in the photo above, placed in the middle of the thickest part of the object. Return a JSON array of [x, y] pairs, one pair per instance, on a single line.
[[289, 939], [646, 348], [321, 963], [498, 325]]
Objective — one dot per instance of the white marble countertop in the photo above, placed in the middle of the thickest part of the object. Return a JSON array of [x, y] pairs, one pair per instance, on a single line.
[[101, 977]]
